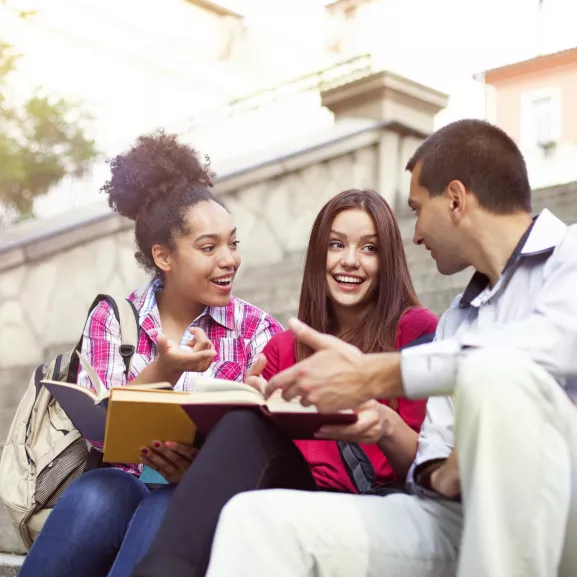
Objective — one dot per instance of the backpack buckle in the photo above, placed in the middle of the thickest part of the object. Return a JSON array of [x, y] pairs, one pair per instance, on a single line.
[[126, 351]]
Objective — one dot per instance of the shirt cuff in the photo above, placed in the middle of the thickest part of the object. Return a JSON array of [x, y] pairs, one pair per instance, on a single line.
[[430, 369]]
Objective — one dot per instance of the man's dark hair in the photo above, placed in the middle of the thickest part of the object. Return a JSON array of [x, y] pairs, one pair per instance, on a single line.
[[482, 157]]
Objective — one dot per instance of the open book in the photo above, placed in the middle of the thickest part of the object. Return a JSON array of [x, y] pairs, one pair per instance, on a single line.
[[88, 409], [131, 417]]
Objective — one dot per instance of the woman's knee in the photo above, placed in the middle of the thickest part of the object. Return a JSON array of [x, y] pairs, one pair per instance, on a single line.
[[155, 504], [104, 492]]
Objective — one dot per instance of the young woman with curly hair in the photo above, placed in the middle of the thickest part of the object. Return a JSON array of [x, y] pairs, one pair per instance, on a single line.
[[190, 324]]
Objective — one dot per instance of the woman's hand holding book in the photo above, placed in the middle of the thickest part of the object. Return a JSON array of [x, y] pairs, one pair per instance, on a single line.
[[170, 459]]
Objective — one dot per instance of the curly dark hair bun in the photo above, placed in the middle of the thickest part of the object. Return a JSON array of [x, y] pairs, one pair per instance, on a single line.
[[156, 166], [154, 184]]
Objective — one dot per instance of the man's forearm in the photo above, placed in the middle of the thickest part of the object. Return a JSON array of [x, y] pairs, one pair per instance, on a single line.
[[383, 372]]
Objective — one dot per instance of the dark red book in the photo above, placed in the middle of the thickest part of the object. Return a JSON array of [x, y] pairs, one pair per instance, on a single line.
[[136, 417]]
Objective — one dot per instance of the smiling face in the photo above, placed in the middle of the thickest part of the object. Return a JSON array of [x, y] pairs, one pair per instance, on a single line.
[[352, 262], [204, 261]]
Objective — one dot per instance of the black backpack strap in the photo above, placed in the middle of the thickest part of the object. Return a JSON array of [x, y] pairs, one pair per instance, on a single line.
[[128, 319], [423, 339], [94, 461], [357, 464]]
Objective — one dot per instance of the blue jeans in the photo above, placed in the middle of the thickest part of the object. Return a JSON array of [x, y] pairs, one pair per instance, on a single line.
[[102, 525]]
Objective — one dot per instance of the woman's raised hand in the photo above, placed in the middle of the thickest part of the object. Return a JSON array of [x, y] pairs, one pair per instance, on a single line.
[[196, 356]]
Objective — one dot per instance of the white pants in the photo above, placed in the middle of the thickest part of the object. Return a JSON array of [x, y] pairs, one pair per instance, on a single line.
[[516, 437]]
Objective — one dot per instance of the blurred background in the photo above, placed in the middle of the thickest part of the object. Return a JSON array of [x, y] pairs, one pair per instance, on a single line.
[[293, 100]]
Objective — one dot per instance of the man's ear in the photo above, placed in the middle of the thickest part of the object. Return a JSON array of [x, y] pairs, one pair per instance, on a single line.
[[456, 194], [162, 257]]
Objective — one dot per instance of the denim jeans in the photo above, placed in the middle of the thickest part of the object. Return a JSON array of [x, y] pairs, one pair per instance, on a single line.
[[102, 525], [244, 452]]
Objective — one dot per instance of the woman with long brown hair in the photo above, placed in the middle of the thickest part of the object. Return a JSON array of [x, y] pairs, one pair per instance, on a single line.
[[357, 286]]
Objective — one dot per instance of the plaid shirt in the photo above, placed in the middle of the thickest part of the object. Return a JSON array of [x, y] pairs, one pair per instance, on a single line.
[[238, 333]]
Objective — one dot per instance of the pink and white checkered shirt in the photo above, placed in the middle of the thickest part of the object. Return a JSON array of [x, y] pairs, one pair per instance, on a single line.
[[238, 333]]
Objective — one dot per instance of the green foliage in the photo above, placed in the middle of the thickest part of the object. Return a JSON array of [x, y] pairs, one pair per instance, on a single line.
[[41, 141]]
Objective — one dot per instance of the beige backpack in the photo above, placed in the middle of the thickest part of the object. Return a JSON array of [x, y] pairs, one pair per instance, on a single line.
[[44, 452]]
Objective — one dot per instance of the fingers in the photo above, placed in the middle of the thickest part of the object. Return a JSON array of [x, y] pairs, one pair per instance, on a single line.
[[157, 462], [364, 429], [187, 451], [201, 346], [203, 356], [197, 362], [317, 341], [162, 343], [357, 429], [204, 363], [257, 383], [166, 459], [258, 367], [199, 342], [158, 467], [284, 380], [334, 432]]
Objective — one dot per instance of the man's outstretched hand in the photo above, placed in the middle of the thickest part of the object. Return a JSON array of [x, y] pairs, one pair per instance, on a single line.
[[337, 376]]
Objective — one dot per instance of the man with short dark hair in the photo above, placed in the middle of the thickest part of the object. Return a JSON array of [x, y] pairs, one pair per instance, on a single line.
[[494, 482]]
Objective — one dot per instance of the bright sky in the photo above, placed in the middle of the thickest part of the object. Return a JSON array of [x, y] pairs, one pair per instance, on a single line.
[[443, 38], [441, 43]]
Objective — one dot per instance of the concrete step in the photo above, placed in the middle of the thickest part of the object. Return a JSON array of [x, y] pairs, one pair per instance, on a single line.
[[10, 564]]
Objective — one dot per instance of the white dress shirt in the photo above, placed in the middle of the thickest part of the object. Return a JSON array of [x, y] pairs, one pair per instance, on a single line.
[[533, 308]]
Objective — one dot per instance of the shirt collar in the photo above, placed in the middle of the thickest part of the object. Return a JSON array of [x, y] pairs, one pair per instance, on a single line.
[[222, 315], [547, 231], [544, 233]]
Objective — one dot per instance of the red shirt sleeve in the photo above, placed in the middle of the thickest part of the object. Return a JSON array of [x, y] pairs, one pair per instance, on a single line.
[[270, 351], [279, 353], [415, 323]]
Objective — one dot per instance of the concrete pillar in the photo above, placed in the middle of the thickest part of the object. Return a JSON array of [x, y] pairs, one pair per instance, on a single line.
[[386, 96], [408, 108]]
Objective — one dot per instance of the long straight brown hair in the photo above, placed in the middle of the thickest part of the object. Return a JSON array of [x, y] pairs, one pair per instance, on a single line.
[[394, 291]]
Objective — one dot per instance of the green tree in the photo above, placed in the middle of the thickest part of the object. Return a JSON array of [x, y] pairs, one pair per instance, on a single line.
[[41, 141]]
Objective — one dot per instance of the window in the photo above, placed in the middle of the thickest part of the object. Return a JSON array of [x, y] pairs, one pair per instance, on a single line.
[[541, 119], [544, 119]]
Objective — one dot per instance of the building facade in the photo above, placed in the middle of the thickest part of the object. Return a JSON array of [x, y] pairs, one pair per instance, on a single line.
[[534, 101]]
